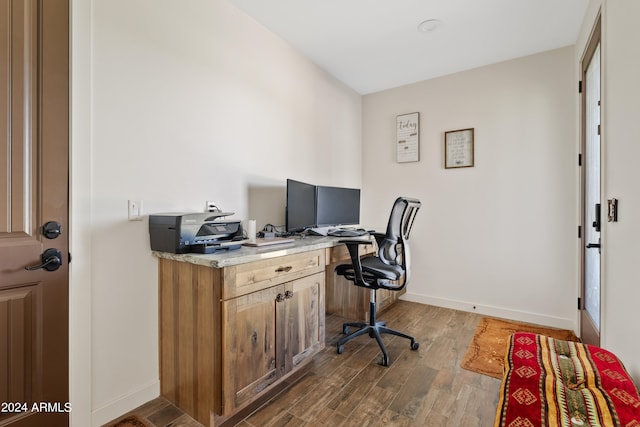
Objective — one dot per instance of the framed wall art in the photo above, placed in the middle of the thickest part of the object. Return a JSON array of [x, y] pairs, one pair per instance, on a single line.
[[408, 138], [458, 148]]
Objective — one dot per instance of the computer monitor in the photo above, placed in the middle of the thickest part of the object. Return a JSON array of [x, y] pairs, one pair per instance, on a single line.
[[301, 206], [337, 206]]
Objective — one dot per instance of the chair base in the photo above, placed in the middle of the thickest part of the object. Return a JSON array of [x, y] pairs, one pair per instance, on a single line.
[[375, 329]]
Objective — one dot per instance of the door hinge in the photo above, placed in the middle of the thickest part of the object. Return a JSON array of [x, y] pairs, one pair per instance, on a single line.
[[579, 303], [598, 129], [580, 159], [579, 232], [580, 86]]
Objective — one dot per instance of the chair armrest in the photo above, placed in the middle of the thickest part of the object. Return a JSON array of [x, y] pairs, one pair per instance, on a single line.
[[378, 236], [353, 246], [356, 241]]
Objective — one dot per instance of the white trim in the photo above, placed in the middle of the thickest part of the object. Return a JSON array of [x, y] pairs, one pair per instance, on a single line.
[[123, 404], [487, 310]]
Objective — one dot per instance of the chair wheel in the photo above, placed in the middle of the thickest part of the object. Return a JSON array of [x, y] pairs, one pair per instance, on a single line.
[[415, 345], [340, 349], [385, 360], [345, 330]]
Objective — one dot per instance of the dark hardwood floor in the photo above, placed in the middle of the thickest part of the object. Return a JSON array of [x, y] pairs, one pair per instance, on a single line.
[[425, 387]]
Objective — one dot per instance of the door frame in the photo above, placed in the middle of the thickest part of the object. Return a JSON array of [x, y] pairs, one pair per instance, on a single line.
[[588, 332]]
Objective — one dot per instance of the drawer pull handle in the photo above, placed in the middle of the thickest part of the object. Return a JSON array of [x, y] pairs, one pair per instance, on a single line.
[[279, 298], [288, 294], [284, 269]]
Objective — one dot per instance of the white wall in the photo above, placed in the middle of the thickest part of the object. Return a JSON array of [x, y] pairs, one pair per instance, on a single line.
[[621, 151], [180, 102], [501, 236]]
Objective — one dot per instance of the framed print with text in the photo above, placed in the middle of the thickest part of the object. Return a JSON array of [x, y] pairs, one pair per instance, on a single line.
[[408, 138], [458, 148]]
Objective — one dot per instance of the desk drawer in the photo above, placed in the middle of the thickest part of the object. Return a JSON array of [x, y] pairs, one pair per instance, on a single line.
[[254, 276]]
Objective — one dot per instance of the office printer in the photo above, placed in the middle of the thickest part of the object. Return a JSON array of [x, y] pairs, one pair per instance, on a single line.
[[200, 232]]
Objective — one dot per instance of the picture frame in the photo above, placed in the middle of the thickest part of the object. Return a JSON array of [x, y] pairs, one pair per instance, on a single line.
[[459, 148], [408, 137]]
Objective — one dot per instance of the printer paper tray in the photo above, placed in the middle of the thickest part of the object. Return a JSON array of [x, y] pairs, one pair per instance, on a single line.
[[209, 248]]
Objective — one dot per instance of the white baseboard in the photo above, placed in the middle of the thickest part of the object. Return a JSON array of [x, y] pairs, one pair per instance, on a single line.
[[123, 404], [505, 313]]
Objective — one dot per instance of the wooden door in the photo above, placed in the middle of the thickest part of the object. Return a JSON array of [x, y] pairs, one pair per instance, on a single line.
[[34, 124], [305, 319], [252, 357]]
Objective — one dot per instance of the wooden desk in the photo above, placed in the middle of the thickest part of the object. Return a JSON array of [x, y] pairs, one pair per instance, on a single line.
[[235, 325]]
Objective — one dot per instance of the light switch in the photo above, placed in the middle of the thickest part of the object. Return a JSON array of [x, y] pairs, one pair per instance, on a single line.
[[135, 210]]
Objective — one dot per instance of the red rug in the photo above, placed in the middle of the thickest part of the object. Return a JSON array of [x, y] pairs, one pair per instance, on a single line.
[[549, 382]]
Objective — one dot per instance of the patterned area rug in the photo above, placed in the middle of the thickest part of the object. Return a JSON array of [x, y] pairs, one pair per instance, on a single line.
[[551, 382], [131, 421], [488, 346]]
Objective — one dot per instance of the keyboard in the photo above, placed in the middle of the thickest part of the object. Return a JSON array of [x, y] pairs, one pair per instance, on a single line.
[[347, 233]]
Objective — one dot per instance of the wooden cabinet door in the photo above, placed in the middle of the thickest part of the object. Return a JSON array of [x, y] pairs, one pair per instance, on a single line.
[[251, 345], [269, 333], [304, 319]]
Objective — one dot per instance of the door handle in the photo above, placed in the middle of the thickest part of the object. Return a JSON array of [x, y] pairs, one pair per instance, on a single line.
[[51, 261], [593, 245]]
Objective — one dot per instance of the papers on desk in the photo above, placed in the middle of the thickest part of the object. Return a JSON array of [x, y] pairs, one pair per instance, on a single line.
[[269, 241]]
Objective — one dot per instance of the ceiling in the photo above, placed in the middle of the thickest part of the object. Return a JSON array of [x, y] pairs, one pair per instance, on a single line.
[[372, 45]]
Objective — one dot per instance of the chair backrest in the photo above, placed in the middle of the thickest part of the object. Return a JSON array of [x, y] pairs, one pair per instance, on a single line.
[[399, 227]]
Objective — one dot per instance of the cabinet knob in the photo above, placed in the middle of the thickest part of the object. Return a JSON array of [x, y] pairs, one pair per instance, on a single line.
[[288, 294], [279, 298]]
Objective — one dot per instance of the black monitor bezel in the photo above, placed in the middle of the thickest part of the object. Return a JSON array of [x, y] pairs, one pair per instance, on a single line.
[[330, 206], [320, 207], [294, 205]]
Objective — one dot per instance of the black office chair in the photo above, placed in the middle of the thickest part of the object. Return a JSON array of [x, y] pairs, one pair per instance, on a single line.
[[388, 270]]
